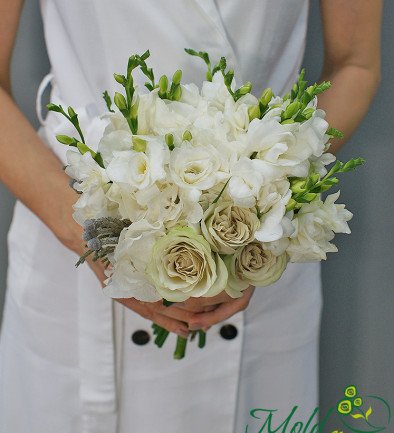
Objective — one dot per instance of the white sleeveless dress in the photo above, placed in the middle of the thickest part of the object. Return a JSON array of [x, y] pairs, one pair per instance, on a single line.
[[68, 362]]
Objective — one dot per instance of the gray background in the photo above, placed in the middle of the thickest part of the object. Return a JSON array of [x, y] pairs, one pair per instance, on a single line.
[[357, 329]]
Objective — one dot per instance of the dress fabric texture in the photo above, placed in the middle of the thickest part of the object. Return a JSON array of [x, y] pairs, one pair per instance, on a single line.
[[67, 361]]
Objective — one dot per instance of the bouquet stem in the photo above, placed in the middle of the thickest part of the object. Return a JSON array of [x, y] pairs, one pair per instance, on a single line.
[[181, 342]]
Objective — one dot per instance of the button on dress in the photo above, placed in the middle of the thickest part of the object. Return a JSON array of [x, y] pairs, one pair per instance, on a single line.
[[74, 361]]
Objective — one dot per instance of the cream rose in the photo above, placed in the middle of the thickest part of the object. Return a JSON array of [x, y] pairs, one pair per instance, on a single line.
[[228, 227], [182, 265], [252, 265]]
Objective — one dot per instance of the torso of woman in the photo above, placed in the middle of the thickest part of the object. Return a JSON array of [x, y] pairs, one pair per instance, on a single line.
[[68, 361]]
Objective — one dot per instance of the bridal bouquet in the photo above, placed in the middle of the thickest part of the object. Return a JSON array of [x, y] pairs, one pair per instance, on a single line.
[[194, 191]]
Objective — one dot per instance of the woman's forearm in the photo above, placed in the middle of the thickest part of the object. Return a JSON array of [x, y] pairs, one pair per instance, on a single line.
[[347, 101], [34, 174]]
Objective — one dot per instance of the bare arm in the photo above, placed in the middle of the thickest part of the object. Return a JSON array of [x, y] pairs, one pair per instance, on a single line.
[[35, 176], [351, 61]]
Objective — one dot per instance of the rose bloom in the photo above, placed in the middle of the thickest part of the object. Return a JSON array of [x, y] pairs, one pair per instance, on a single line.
[[252, 265], [182, 265], [228, 227]]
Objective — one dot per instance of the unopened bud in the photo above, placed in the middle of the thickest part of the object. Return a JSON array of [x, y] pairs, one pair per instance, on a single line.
[[266, 96], [177, 77], [139, 144], [120, 101], [187, 136], [163, 85], [121, 79], [169, 138], [254, 112]]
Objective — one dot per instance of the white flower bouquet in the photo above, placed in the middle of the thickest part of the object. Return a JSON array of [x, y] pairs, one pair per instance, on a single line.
[[194, 191]]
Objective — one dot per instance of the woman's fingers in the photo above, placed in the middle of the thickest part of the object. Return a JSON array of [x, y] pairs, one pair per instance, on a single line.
[[222, 312], [155, 311]]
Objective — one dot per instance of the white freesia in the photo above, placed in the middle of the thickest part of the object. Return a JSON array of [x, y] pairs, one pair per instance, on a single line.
[[159, 117], [139, 169], [288, 146], [271, 203], [318, 163], [128, 279], [85, 170], [315, 225], [216, 92], [170, 204], [252, 265], [247, 178], [125, 197], [114, 141]]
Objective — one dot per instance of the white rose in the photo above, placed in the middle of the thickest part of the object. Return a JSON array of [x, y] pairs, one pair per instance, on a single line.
[[131, 255], [247, 177], [197, 167], [139, 169], [228, 227], [252, 265], [315, 225], [182, 265]]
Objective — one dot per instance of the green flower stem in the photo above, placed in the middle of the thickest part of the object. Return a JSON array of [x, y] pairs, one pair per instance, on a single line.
[[201, 338], [161, 337], [180, 348]]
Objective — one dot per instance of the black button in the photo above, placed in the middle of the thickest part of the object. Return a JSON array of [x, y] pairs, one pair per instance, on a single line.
[[228, 332], [140, 337]]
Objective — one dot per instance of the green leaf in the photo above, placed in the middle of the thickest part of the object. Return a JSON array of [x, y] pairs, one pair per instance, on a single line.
[[334, 133], [368, 413], [357, 415], [108, 101]]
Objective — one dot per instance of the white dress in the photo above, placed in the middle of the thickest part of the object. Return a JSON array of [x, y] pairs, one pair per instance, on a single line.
[[68, 362]]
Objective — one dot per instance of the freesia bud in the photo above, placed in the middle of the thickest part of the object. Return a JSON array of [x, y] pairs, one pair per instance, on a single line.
[[254, 112], [246, 88], [120, 101], [163, 85], [266, 96], [177, 77], [177, 93], [187, 136], [169, 138], [121, 79], [139, 144]]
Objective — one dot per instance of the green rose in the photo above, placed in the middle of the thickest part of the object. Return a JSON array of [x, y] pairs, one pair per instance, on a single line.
[[182, 265], [252, 265], [228, 227]]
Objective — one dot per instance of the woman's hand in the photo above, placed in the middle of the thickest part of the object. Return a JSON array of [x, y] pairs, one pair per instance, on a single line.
[[180, 318], [172, 318], [221, 308]]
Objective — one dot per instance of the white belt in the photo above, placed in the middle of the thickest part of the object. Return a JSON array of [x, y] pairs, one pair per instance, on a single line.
[[96, 318]]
